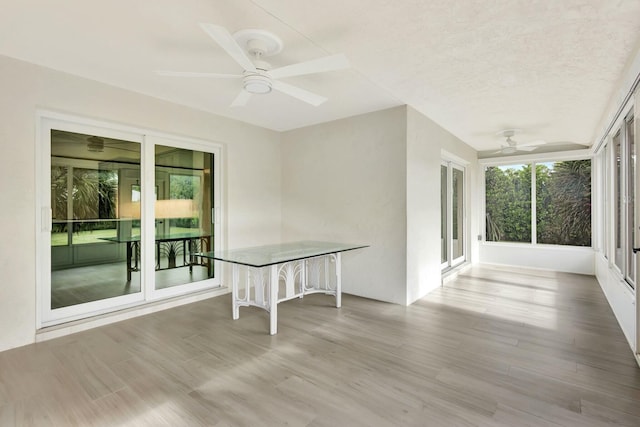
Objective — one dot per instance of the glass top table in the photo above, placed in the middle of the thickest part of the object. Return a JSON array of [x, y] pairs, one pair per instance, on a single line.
[[264, 256], [158, 236], [265, 276]]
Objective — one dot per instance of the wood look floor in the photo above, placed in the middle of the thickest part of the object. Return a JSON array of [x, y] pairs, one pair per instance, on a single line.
[[496, 347]]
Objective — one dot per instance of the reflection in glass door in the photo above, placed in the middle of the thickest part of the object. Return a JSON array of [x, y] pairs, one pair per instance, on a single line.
[[183, 215], [94, 242], [452, 215]]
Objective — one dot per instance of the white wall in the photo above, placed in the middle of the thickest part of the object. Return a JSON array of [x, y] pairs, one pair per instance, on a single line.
[[568, 259], [619, 295], [252, 178], [375, 179], [425, 144], [624, 303], [345, 181]]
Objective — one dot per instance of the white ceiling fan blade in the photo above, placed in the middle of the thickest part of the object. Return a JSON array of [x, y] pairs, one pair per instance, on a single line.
[[241, 99], [532, 143], [228, 43], [526, 148], [320, 65], [296, 92], [166, 73]]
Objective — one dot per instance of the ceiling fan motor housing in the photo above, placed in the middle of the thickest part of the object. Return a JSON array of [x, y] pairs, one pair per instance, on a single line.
[[256, 83]]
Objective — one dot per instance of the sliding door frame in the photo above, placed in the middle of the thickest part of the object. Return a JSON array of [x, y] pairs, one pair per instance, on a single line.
[[46, 121], [452, 262]]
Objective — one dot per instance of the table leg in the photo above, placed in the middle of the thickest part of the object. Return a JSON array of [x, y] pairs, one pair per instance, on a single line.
[[184, 254], [338, 281], [129, 255], [158, 254], [273, 300], [235, 309]]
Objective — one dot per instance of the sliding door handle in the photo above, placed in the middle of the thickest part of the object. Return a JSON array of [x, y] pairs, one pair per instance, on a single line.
[[635, 250]]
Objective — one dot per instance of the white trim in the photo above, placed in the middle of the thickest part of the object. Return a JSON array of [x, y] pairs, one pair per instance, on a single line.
[[449, 212], [147, 223], [450, 157], [534, 211], [537, 158], [39, 177]]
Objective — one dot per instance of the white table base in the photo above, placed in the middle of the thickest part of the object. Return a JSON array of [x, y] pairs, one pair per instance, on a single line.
[[260, 286]]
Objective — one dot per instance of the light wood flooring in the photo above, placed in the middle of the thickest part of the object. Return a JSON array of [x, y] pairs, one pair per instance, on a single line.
[[495, 347]]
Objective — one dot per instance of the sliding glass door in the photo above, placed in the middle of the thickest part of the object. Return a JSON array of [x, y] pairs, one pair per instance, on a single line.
[[184, 215], [87, 240], [124, 216], [452, 231]]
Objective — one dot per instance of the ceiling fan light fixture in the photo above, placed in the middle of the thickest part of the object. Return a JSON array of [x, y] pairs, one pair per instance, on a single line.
[[257, 84], [509, 150]]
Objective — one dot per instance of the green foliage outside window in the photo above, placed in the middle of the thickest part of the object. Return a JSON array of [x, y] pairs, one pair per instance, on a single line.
[[563, 203], [184, 187], [508, 203]]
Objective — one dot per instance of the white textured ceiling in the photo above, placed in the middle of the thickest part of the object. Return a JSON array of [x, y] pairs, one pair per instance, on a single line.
[[475, 67]]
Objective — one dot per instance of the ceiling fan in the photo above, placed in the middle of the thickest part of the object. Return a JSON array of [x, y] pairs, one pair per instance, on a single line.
[[247, 48], [513, 146], [98, 144]]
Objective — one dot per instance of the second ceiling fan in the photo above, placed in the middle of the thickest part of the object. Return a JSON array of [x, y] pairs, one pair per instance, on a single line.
[[513, 146], [248, 48]]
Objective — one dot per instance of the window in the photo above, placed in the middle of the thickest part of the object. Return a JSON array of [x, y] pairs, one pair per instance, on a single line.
[[508, 203], [631, 179], [617, 196], [444, 251], [606, 196], [561, 214], [623, 195], [563, 203]]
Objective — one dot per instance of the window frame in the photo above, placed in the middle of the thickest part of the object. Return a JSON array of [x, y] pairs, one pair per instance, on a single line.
[[608, 231]]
